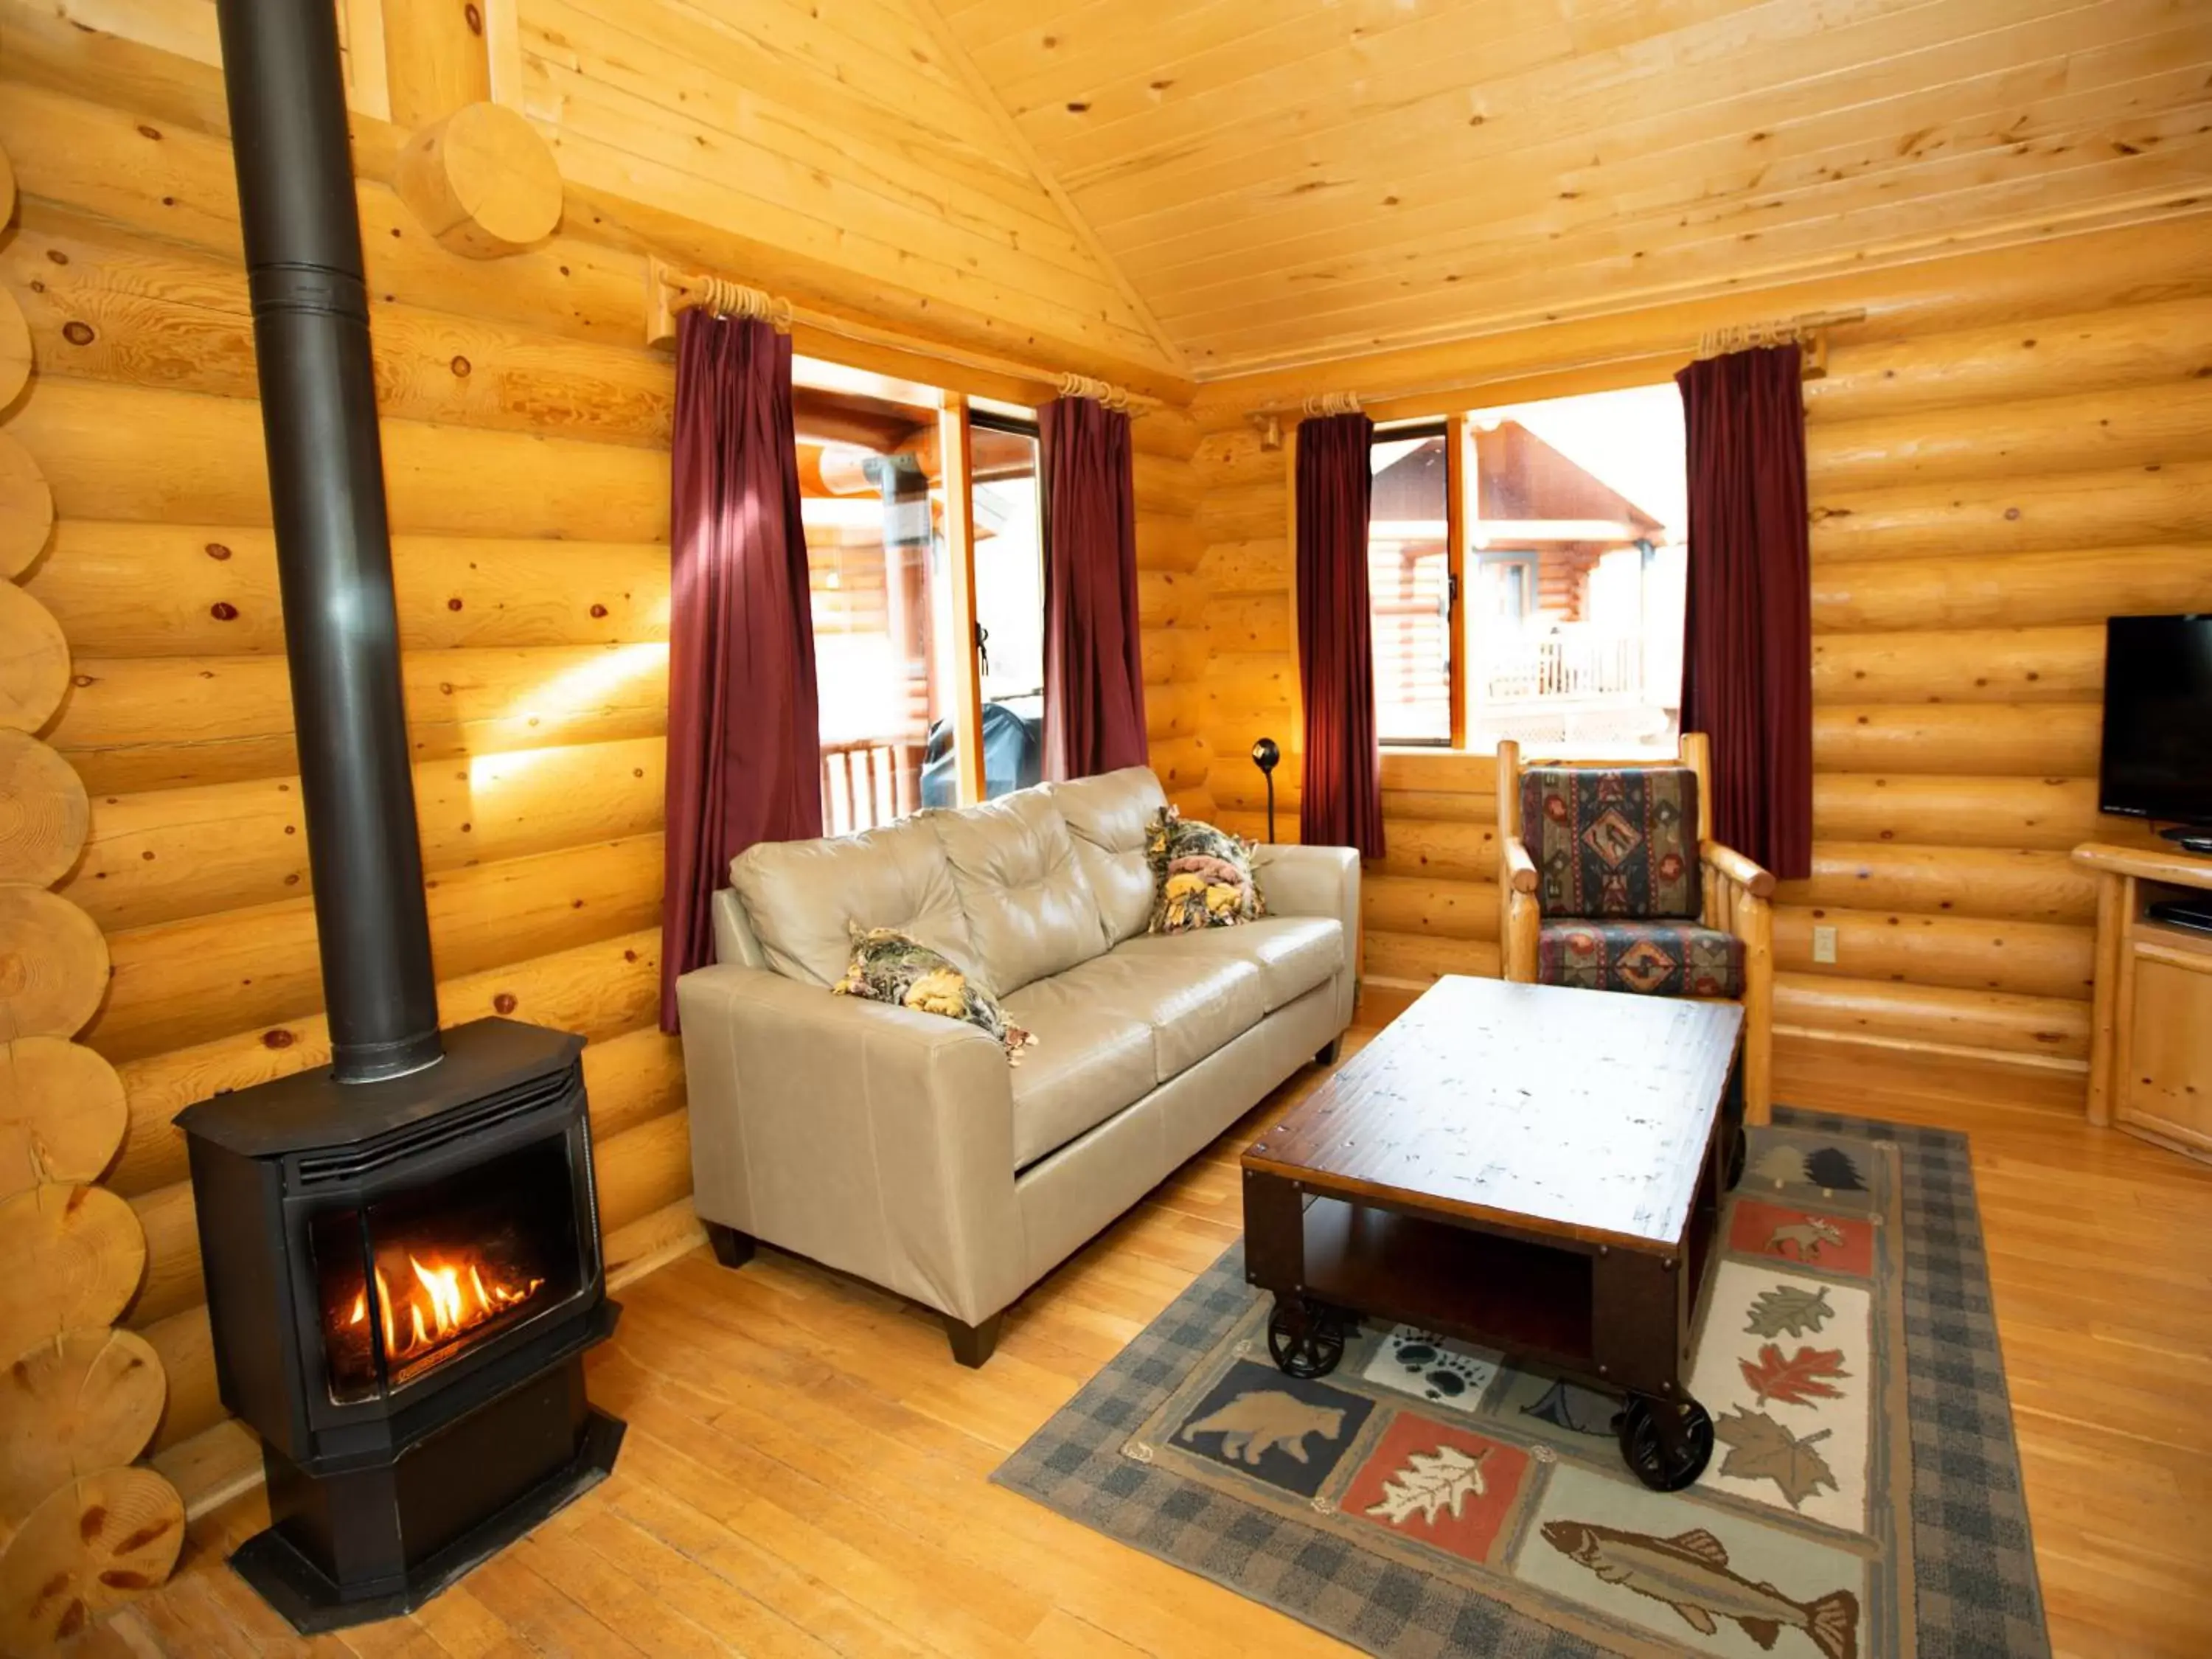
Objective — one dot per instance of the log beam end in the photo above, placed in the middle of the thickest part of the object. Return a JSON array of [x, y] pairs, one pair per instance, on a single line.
[[482, 182]]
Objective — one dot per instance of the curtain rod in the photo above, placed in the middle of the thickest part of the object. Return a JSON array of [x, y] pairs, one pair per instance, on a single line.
[[1810, 328], [670, 290]]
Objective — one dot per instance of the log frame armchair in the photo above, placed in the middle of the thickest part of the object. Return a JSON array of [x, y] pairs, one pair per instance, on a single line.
[[1620, 893]]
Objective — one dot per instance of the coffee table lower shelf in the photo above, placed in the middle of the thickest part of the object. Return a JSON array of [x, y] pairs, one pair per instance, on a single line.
[[1613, 1318]]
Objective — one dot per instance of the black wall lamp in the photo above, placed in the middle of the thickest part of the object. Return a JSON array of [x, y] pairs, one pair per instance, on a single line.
[[1266, 755]]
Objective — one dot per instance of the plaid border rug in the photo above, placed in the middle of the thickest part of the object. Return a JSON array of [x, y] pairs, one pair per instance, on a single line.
[[1417, 1502]]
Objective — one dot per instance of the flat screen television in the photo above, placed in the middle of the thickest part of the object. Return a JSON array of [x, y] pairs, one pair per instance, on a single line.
[[2158, 718]]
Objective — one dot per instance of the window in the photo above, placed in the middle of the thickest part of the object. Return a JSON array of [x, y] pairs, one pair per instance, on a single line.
[[1576, 544], [1562, 526], [909, 638], [1411, 584], [1009, 539]]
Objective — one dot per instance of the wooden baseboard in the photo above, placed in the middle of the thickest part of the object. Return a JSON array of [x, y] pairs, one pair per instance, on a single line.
[[1925, 1083]]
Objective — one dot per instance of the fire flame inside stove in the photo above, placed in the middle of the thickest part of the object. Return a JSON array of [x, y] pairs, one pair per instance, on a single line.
[[446, 1299]]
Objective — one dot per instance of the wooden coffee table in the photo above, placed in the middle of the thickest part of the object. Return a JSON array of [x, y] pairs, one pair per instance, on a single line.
[[1524, 1168]]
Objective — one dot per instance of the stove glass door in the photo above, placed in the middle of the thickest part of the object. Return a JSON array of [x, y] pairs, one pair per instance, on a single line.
[[413, 1280]]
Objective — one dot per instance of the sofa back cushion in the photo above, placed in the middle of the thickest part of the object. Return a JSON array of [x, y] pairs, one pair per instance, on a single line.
[[805, 898], [1030, 912], [1107, 815]]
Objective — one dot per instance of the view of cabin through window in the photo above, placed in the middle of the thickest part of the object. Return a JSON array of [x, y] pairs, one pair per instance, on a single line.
[[1010, 601], [888, 638], [1570, 629], [1408, 586]]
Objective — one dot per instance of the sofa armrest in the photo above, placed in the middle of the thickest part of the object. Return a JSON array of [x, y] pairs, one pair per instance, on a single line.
[[1317, 881], [871, 1138]]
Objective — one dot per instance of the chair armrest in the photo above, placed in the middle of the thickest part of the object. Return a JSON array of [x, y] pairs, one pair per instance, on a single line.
[[873, 1138], [1518, 913], [1518, 869], [1752, 877]]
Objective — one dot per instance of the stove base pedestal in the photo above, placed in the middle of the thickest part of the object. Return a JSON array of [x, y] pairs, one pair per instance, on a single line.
[[358, 1545]]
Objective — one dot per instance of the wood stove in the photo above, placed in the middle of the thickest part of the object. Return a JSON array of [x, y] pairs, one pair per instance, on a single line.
[[403, 1277], [402, 1250]]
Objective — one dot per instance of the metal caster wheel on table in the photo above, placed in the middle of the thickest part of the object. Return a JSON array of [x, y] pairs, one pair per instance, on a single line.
[[1665, 1445], [1305, 1339]]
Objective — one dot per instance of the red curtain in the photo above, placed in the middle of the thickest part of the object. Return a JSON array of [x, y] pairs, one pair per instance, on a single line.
[[745, 752], [1094, 674], [1342, 801], [1747, 623]]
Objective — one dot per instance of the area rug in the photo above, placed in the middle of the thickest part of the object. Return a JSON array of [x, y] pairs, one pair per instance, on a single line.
[[1863, 1499]]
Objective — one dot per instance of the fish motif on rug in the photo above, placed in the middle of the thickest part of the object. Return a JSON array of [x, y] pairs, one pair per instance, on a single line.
[[1689, 1572]]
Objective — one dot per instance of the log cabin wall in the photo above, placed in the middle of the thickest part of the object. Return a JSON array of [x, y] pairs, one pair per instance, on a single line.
[[2011, 447], [526, 434]]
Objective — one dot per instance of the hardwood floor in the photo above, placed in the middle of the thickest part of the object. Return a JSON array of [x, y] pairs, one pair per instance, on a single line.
[[806, 1471]]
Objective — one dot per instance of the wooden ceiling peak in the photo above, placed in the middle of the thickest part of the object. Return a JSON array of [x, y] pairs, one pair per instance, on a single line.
[[1279, 184]]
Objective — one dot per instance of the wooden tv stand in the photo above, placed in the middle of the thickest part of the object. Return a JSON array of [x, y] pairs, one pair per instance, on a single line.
[[2150, 1056]]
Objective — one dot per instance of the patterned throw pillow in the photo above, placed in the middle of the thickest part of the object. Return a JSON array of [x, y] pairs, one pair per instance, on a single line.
[[887, 966], [1202, 877]]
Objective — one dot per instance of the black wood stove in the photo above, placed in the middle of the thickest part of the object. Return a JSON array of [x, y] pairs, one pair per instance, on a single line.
[[403, 1277], [401, 1251]]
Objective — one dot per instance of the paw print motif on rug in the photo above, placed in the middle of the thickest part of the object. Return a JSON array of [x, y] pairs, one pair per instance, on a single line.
[[1426, 1365]]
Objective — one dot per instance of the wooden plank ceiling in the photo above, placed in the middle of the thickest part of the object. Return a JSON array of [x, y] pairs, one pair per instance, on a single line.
[[1282, 181], [844, 139]]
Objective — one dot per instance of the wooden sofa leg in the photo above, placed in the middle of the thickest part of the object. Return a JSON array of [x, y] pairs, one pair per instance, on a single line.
[[1329, 1051], [732, 1248], [972, 1345]]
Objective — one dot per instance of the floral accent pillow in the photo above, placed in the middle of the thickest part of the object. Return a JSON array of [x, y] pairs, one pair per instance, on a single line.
[[1202, 877], [888, 966]]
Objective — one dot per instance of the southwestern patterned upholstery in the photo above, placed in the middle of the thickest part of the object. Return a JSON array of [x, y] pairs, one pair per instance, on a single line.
[[1615, 842], [1651, 958], [1616, 853], [1605, 884]]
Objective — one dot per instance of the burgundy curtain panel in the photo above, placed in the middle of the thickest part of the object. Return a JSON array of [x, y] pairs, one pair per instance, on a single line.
[[1340, 802], [1094, 671], [745, 750], [1747, 623]]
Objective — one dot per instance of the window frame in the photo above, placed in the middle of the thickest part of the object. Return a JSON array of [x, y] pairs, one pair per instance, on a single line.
[[1454, 430]]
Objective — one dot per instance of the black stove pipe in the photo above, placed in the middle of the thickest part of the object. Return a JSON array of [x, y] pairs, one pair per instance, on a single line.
[[295, 196]]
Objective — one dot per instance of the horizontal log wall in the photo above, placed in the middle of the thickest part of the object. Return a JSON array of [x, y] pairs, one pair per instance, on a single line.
[[2008, 451], [526, 432], [1982, 498]]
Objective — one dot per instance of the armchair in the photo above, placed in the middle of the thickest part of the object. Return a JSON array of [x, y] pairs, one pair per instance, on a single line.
[[1609, 879]]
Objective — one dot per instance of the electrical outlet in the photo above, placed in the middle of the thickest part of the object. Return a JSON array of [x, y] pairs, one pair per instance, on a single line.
[[1824, 944]]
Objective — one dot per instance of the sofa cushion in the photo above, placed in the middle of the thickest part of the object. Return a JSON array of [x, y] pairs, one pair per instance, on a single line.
[[1194, 1001], [1088, 1064], [1107, 815], [1029, 911], [1292, 953], [805, 898]]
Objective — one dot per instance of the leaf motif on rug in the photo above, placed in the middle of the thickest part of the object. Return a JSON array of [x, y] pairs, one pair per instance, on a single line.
[[1432, 1480], [1252, 1423], [1797, 1381], [1789, 1310], [1760, 1449]]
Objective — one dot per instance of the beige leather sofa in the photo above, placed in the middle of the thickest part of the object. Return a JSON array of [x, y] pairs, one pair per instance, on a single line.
[[899, 1145]]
